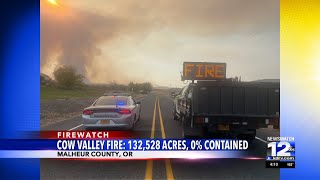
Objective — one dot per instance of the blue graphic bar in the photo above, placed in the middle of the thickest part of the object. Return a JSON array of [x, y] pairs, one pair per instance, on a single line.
[[126, 144]]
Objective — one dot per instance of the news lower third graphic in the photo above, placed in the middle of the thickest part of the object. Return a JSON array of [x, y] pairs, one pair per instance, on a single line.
[[90, 144], [280, 152]]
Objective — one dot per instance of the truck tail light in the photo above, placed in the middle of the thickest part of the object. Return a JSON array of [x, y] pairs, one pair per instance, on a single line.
[[199, 120], [87, 112]]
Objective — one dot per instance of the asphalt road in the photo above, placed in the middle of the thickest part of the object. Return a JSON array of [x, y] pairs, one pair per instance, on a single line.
[[160, 169]]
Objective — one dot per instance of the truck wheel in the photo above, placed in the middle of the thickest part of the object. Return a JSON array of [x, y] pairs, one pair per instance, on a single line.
[[185, 134], [248, 136], [190, 133]]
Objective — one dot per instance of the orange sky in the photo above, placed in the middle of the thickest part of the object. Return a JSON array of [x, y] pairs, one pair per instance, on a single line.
[[143, 40]]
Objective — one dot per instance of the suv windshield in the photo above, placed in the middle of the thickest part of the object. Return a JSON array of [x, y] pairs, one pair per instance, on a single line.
[[112, 100]]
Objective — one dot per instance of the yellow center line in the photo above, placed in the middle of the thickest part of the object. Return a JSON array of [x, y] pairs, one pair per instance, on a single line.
[[163, 133], [149, 170], [154, 118], [150, 162]]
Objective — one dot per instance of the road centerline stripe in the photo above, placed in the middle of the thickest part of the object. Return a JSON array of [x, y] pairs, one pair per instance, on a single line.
[[154, 119], [149, 166], [163, 133]]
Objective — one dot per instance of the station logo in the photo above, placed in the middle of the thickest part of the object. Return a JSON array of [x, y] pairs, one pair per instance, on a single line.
[[280, 152]]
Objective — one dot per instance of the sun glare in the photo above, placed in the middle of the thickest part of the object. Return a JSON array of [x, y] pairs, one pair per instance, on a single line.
[[53, 2]]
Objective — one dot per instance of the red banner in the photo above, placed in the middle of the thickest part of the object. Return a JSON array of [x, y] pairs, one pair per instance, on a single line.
[[86, 134]]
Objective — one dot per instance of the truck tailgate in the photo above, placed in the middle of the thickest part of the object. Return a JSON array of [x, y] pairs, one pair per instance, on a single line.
[[247, 99]]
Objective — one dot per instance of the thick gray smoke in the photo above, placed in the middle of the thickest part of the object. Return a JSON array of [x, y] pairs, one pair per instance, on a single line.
[[74, 38], [128, 40]]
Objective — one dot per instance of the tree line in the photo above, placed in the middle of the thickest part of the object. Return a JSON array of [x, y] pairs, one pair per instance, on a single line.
[[67, 77]]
